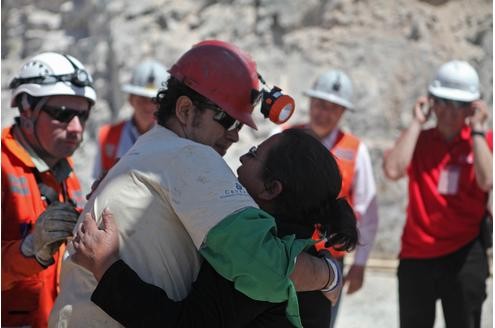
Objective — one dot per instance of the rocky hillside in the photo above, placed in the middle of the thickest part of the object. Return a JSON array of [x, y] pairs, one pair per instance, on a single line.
[[390, 48]]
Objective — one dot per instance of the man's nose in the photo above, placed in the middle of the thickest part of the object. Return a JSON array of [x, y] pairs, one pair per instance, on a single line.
[[232, 135], [75, 125]]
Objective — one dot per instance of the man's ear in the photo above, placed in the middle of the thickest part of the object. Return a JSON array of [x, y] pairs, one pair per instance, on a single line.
[[131, 98], [26, 121], [184, 109], [25, 114], [25, 109], [272, 190]]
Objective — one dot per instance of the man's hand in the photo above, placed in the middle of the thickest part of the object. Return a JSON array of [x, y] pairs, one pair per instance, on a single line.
[[354, 278], [478, 115], [51, 229], [97, 249], [95, 184], [422, 109]]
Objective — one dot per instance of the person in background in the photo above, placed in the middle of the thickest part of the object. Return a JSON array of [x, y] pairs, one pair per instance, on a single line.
[[115, 139], [449, 167], [40, 191], [330, 97]]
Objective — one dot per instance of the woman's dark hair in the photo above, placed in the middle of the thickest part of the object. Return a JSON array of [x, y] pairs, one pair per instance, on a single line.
[[166, 99], [311, 183]]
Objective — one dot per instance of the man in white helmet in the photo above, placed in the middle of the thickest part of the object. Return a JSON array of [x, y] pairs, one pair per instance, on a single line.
[[449, 168], [330, 97], [116, 139], [40, 192]]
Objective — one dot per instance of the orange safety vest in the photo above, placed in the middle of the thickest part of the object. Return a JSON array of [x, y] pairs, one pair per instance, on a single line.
[[28, 289], [345, 151], [108, 141]]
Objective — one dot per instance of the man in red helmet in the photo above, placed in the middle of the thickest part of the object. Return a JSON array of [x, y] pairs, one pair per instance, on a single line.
[[174, 195]]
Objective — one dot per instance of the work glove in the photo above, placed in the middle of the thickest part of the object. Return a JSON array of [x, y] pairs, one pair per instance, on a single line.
[[51, 229]]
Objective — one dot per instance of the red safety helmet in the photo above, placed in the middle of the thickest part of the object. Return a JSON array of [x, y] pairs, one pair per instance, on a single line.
[[224, 74]]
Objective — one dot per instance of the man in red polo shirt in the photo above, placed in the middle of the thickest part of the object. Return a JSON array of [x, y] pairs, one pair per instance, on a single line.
[[450, 174]]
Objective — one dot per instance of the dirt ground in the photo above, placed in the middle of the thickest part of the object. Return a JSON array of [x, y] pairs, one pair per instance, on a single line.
[[376, 304]]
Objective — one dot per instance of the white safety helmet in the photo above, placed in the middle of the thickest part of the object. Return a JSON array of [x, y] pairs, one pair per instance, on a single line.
[[147, 79], [456, 80], [333, 86], [50, 74]]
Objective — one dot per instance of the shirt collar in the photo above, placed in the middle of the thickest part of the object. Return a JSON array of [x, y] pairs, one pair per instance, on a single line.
[[330, 139], [133, 129], [464, 135]]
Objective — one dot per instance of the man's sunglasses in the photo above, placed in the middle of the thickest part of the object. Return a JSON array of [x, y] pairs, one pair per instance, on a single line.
[[451, 103], [228, 122], [64, 114]]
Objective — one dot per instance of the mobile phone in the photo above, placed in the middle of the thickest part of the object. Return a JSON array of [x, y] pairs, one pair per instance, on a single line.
[[425, 108]]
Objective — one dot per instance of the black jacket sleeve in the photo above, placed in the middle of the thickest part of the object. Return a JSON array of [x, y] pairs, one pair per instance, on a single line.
[[212, 302]]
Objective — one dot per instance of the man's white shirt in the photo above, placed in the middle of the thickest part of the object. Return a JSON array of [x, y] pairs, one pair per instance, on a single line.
[[166, 193]]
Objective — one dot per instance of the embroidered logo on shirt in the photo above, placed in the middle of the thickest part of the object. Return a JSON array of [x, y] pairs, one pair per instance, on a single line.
[[237, 190]]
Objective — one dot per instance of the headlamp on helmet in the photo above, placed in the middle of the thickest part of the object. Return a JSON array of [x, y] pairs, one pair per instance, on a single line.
[[79, 77], [275, 105]]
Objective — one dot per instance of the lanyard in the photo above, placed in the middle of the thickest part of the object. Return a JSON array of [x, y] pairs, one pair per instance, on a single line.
[[48, 194]]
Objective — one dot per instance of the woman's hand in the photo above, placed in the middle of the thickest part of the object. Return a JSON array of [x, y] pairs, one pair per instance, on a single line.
[[96, 249]]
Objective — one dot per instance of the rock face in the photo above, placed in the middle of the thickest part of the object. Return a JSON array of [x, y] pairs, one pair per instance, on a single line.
[[390, 49]]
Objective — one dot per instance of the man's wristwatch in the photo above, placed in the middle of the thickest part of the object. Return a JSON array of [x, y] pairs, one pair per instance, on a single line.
[[477, 133]]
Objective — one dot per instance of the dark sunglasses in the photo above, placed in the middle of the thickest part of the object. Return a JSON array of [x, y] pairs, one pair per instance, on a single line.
[[228, 122], [452, 103], [253, 152], [64, 114]]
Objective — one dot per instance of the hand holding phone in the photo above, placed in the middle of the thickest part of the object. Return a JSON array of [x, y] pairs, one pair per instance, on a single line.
[[422, 109], [478, 115]]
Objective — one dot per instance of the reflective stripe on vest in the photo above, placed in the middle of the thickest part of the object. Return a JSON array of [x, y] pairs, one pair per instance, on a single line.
[[345, 151], [18, 185]]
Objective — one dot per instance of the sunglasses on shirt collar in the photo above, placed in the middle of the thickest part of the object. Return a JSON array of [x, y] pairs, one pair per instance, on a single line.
[[64, 114], [228, 122]]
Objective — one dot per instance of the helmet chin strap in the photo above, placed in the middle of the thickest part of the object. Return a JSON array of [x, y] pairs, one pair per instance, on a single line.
[[30, 125]]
